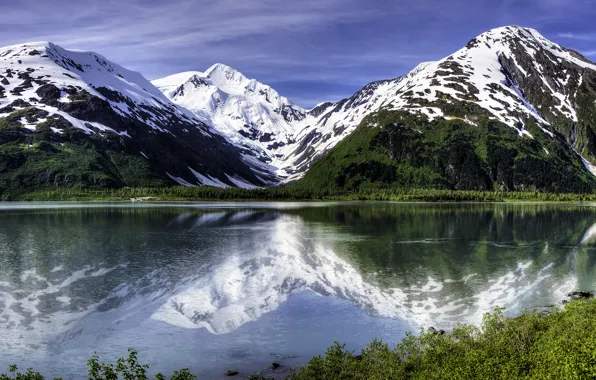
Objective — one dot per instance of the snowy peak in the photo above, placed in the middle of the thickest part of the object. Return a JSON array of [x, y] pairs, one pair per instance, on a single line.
[[222, 75], [37, 64], [231, 82], [86, 65], [511, 73], [516, 38], [234, 82], [250, 114], [513, 67]]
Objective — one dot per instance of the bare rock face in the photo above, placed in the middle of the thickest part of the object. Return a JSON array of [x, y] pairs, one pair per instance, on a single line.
[[49, 94]]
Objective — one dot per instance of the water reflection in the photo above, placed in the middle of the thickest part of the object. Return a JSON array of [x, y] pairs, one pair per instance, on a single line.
[[69, 276], [292, 256]]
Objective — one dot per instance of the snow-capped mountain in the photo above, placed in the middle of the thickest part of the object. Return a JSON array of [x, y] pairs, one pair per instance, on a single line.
[[221, 128], [250, 114], [513, 73], [509, 73], [31, 66], [53, 96], [489, 72]]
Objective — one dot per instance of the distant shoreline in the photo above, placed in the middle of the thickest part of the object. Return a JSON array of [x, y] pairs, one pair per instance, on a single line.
[[290, 193]]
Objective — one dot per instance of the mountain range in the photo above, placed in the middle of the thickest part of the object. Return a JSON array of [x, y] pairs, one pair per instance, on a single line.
[[511, 110]]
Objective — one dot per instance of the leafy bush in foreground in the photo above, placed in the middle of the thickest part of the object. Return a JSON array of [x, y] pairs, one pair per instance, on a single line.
[[557, 345], [560, 345], [127, 369]]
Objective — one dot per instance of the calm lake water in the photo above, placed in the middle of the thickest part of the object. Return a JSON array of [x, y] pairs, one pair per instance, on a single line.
[[216, 286]]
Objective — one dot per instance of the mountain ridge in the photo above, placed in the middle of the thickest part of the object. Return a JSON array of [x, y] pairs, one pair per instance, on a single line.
[[473, 74], [220, 128]]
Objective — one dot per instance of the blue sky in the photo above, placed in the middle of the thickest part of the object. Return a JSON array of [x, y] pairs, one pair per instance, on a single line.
[[308, 50]]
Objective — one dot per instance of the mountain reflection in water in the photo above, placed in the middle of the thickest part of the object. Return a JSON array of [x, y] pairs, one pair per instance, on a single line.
[[78, 277]]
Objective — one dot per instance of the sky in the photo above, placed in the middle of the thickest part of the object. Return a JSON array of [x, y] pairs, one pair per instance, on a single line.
[[309, 50]]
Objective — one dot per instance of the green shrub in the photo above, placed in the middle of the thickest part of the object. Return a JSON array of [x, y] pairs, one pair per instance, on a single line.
[[126, 369], [559, 345]]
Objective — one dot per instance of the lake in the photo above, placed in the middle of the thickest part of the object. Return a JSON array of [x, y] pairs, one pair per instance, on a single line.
[[217, 286]]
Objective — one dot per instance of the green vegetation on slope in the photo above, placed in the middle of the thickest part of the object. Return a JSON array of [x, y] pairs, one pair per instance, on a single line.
[[394, 149], [45, 160], [390, 152], [558, 345]]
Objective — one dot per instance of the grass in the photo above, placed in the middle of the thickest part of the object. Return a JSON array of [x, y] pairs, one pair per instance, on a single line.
[[556, 345]]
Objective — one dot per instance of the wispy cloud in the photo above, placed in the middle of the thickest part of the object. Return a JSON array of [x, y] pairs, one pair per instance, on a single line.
[[171, 23], [308, 49], [578, 36], [200, 32]]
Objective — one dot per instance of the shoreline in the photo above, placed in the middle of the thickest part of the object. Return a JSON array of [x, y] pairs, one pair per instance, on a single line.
[[305, 202], [291, 194]]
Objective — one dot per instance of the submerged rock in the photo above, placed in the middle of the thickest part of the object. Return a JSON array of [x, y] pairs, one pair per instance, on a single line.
[[282, 357], [231, 373], [580, 295], [434, 331]]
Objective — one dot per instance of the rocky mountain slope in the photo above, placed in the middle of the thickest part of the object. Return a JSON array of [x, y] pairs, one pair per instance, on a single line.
[[73, 118], [511, 72]]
